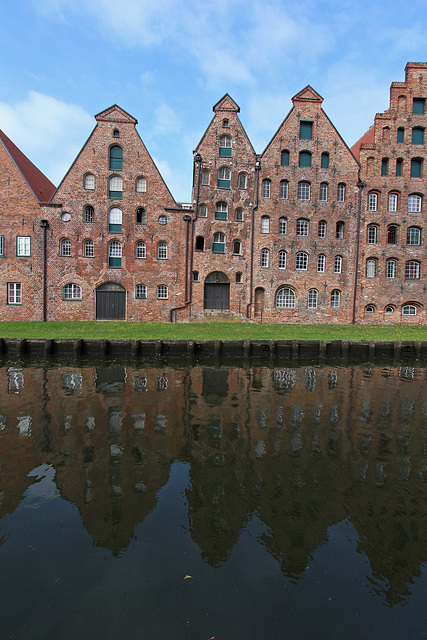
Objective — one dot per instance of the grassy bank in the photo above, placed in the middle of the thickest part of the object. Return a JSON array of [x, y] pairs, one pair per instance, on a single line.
[[207, 331]]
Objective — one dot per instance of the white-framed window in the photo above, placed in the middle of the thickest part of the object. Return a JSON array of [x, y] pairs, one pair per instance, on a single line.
[[339, 230], [88, 213], [283, 226], [371, 268], [409, 310], [414, 203], [88, 249], [372, 234], [141, 292], [140, 249], [284, 189], [115, 220], [302, 227], [265, 258], [221, 211], [338, 264], [224, 178], [412, 270], [321, 229], [285, 298], [206, 177], [392, 202], [391, 268], [162, 251], [301, 261], [218, 245], [265, 224], [266, 188], [14, 293], [1, 246], [89, 181], [115, 187], [141, 184], [162, 219], [237, 247], [282, 259], [370, 308], [389, 309], [115, 254], [303, 191], [65, 247], [203, 211], [341, 192], [372, 201], [162, 292], [225, 145], [413, 235], [238, 216], [323, 196], [71, 291], [312, 299], [321, 262], [335, 298], [23, 246], [243, 181]]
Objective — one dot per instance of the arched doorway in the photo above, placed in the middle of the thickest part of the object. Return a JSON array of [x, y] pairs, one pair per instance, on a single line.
[[110, 301], [259, 301], [217, 291]]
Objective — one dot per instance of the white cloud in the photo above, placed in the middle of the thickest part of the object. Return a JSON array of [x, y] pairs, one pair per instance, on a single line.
[[50, 132]]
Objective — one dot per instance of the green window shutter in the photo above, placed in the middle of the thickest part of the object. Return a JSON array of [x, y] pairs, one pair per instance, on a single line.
[[115, 263], [225, 152], [400, 135], [284, 159], [115, 195], [218, 247], [114, 228], [418, 105], [415, 168], [325, 161], [220, 215], [398, 167], [384, 167], [417, 135], [305, 159], [116, 158], [223, 184], [306, 130]]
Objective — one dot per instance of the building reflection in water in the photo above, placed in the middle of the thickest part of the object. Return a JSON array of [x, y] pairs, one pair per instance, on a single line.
[[301, 449]]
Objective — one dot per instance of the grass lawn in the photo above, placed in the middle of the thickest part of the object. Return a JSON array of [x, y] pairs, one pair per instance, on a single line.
[[207, 331]]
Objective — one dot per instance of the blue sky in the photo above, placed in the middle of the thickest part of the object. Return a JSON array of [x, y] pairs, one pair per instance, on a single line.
[[167, 62]]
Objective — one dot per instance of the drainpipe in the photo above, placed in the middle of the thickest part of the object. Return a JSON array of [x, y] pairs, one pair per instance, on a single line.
[[254, 209], [361, 186], [44, 225]]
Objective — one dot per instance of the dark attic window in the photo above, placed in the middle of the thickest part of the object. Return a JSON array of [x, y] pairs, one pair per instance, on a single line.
[[116, 133], [225, 123]]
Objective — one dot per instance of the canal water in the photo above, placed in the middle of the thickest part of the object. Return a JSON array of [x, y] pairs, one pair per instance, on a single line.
[[206, 503]]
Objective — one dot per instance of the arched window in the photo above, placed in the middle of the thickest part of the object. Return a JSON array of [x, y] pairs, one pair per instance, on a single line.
[[115, 158], [266, 188], [115, 220], [140, 249], [284, 158], [243, 181], [221, 211], [218, 245], [265, 258], [225, 123], [162, 251], [237, 247], [71, 291], [203, 211], [321, 262], [141, 185], [389, 309], [414, 203], [372, 234], [339, 231], [265, 224], [338, 264], [370, 308], [65, 247], [392, 202], [162, 292], [282, 259], [285, 298], [116, 133], [283, 226], [115, 188], [313, 296], [200, 243], [88, 249], [224, 178], [373, 202], [321, 229], [304, 159], [301, 261], [323, 195], [141, 216], [303, 191], [392, 234], [335, 298], [89, 181], [115, 254], [238, 216], [206, 176], [141, 292], [371, 268], [225, 146], [413, 235], [284, 189], [412, 270], [409, 310], [302, 227], [391, 268], [341, 192], [88, 213]]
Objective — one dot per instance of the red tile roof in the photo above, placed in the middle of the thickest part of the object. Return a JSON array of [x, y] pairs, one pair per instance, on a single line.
[[41, 186], [367, 138]]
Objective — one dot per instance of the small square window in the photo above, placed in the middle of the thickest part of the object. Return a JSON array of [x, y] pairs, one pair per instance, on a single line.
[[306, 130]]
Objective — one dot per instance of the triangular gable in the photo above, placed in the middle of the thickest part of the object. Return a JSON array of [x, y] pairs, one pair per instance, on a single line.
[[41, 186], [226, 104], [115, 114], [308, 94]]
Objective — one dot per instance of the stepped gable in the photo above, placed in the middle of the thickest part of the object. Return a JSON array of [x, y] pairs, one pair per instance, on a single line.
[[367, 138], [41, 186]]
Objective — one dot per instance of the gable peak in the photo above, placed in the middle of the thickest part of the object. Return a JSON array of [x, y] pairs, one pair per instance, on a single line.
[[226, 104], [115, 114], [308, 94]]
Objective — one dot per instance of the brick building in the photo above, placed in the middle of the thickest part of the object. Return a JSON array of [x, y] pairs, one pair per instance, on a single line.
[[307, 231]]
